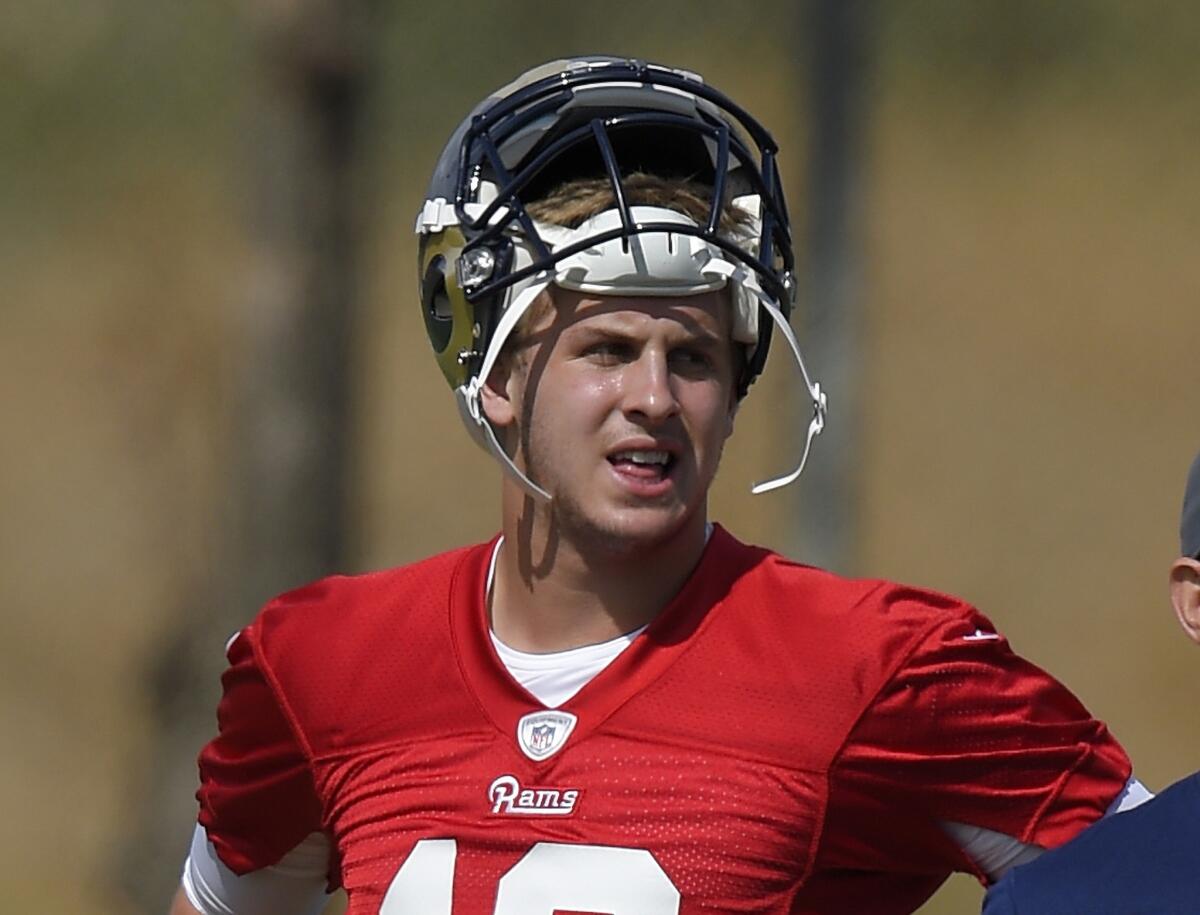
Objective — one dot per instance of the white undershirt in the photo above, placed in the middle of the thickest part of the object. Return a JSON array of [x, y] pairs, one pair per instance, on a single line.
[[555, 677]]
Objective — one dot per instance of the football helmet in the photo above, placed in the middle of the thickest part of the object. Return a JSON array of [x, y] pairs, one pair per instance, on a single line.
[[483, 259]]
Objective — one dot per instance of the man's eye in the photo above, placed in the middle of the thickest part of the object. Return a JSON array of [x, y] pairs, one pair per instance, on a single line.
[[689, 359], [607, 352]]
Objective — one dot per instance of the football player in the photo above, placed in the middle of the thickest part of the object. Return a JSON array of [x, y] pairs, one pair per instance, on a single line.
[[614, 706], [1142, 861]]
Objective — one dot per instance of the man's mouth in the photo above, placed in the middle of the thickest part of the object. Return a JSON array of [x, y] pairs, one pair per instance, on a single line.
[[643, 464]]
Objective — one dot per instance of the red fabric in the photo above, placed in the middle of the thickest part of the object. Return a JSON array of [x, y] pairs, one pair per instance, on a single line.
[[256, 797], [780, 740]]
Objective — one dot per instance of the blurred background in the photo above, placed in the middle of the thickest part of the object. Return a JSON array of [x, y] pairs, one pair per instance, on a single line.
[[216, 383]]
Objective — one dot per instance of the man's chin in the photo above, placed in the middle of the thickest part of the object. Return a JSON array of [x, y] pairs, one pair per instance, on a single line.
[[628, 531]]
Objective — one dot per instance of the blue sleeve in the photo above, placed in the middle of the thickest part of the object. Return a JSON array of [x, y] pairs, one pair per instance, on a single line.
[[1142, 860], [999, 899]]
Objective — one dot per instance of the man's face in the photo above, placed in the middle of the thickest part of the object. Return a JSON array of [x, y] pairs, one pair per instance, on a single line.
[[622, 406]]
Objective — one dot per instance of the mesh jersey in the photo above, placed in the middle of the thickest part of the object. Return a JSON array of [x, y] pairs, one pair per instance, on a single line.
[[778, 740]]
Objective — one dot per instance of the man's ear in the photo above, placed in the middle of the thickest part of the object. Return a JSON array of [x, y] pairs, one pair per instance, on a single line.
[[1185, 595], [496, 396]]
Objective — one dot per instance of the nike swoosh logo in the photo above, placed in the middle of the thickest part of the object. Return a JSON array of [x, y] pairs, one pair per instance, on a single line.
[[980, 636]]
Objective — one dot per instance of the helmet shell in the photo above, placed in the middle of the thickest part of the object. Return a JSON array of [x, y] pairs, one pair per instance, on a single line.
[[572, 118]]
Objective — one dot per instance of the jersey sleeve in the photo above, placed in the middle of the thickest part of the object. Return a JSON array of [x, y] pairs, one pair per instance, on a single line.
[[257, 798], [966, 731]]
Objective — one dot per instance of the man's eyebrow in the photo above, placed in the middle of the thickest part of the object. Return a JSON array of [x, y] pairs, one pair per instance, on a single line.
[[693, 336], [698, 338], [603, 332], [705, 338]]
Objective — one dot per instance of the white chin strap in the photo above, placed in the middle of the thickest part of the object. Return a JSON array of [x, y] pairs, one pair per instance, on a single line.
[[819, 401], [650, 264]]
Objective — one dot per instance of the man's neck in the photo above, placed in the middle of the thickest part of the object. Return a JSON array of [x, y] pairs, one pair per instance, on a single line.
[[552, 594]]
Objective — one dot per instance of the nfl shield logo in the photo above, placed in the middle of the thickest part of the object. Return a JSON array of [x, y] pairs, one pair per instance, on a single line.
[[542, 734]]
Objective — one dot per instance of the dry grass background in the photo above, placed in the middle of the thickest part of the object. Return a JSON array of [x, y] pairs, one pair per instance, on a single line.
[[1030, 382]]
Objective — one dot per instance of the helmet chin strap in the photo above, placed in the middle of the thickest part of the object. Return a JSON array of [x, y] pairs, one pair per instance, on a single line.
[[745, 283], [468, 395], [819, 401], [607, 265]]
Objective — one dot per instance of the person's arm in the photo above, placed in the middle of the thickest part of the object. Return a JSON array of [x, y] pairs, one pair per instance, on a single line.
[[258, 848], [996, 854], [296, 885], [181, 906]]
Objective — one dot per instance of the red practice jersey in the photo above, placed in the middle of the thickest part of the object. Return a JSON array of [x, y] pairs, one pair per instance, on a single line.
[[778, 740]]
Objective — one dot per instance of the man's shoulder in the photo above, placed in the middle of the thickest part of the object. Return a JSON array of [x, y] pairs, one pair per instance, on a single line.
[[858, 633], [359, 606], [331, 649], [801, 651], [809, 595]]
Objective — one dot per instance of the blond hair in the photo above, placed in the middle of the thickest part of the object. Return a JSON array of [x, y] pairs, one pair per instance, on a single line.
[[575, 201]]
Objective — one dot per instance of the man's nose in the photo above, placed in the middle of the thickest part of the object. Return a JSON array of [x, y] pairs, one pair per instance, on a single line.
[[649, 388]]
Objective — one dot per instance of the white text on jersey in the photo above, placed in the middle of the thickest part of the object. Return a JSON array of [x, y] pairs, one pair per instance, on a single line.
[[508, 797]]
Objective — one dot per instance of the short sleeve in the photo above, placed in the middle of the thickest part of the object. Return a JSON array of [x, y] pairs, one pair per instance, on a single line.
[[967, 731], [257, 800]]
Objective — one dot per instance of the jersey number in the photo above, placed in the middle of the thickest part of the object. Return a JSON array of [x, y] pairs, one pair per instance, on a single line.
[[551, 877]]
